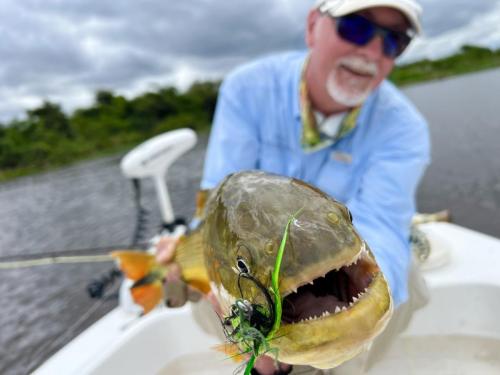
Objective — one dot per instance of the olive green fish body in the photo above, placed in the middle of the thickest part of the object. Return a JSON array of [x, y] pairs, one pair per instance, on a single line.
[[335, 299]]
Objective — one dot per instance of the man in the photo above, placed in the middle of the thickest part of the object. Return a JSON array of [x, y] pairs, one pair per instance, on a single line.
[[329, 118]]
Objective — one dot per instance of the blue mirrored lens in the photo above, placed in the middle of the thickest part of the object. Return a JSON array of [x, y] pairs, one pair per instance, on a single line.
[[355, 29], [360, 31], [391, 45]]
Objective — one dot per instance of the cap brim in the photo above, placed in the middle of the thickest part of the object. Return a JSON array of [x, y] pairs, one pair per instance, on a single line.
[[346, 7]]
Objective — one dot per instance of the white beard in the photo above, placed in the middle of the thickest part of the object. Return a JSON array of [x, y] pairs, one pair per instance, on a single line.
[[349, 93]]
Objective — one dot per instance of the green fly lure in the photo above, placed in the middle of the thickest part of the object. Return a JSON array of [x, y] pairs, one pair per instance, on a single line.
[[253, 326]]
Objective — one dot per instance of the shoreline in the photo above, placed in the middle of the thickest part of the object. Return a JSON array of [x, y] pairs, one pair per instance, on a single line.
[[73, 146]]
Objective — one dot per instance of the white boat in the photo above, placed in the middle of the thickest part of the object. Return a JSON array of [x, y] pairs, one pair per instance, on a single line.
[[457, 332]]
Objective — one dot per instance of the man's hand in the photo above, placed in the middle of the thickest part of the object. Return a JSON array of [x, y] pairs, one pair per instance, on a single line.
[[265, 365], [176, 290], [165, 250]]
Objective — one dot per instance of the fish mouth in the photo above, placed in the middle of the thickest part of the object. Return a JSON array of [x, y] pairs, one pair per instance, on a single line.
[[338, 290]]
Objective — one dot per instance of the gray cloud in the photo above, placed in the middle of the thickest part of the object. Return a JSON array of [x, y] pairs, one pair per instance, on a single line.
[[65, 50], [441, 16]]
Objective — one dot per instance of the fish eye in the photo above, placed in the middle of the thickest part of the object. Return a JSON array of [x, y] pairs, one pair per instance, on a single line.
[[350, 215], [242, 265]]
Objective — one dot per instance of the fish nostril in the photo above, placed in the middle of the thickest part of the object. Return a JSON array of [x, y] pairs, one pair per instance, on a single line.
[[333, 218], [269, 248]]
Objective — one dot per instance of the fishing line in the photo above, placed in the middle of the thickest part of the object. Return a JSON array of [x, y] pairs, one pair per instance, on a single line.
[[65, 253], [264, 291], [55, 260]]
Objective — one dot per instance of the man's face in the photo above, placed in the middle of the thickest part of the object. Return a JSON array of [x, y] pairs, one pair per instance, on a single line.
[[349, 72]]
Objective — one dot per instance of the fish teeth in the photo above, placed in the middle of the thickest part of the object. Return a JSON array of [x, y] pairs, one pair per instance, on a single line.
[[354, 299], [365, 249], [363, 252], [344, 308], [337, 309]]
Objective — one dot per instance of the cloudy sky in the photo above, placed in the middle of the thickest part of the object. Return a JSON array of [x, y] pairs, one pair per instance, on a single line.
[[65, 50]]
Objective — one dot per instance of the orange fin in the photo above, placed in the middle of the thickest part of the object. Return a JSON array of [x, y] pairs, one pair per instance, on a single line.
[[148, 296], [200, 285], [201, 200], [135, 264], [231, 350]]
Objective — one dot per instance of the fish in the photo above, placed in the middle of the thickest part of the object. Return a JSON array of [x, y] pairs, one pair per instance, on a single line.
[[335, 299]]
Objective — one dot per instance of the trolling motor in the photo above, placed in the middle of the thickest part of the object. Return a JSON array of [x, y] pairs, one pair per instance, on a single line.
[[151, 159]]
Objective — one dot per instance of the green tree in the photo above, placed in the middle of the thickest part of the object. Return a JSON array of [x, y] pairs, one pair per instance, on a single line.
[[50, 117]]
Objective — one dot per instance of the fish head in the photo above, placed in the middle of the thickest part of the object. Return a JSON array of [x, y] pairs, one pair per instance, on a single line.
[[335, 299]]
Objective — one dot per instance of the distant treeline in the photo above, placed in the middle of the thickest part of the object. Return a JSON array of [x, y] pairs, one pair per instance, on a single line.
[[469, 59], [47, 137]]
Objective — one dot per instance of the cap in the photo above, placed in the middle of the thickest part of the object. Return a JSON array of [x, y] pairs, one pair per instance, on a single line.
[[410, 8]]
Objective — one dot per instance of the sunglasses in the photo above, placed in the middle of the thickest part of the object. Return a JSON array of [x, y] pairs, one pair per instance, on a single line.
[[359, 30]]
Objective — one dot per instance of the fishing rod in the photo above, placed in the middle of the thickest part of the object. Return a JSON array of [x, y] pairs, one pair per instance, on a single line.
[[16, 264], [89, 251]]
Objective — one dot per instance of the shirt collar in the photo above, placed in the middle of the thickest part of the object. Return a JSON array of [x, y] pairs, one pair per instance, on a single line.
[[296, 88]]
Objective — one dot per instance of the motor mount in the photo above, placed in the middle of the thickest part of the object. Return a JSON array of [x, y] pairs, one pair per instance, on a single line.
[[153, 157]]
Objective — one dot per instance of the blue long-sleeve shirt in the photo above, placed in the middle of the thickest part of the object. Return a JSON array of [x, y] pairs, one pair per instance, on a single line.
[[374, 170]]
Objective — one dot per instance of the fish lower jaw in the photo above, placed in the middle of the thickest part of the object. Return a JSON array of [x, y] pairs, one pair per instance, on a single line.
[[329, 340]]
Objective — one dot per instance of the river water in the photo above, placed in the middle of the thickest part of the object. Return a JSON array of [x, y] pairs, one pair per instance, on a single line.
[[90, 205]]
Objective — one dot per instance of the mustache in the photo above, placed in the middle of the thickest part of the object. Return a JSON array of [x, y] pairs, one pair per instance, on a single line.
[[359, 64]]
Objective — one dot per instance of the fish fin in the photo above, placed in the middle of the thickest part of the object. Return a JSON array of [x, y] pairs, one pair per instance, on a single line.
[[201, 201], [147, 296], [231, 350], [134, 264], [200, 285], [189, 255]]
